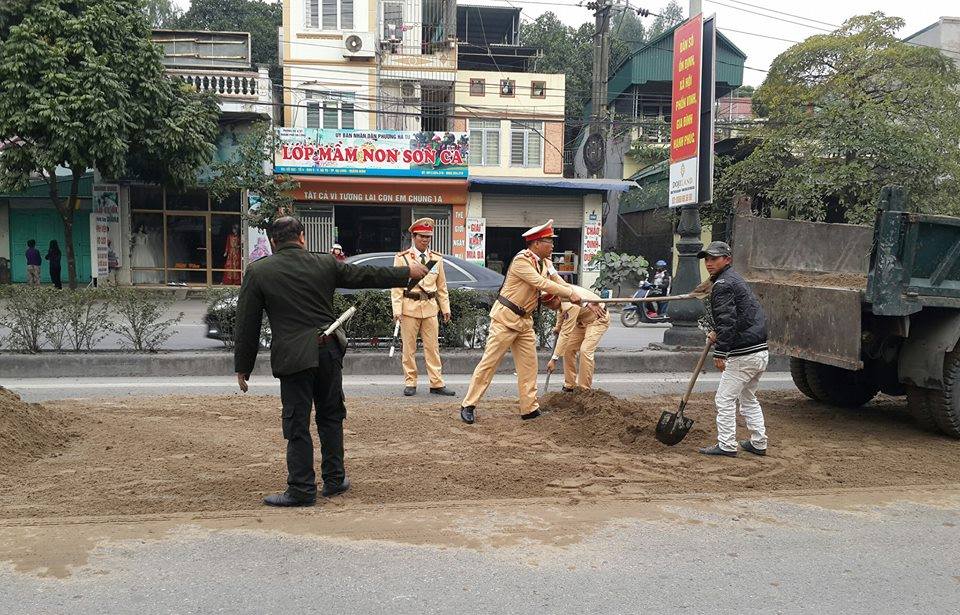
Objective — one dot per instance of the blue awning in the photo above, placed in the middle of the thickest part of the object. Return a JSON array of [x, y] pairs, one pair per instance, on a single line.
[[582, 184]]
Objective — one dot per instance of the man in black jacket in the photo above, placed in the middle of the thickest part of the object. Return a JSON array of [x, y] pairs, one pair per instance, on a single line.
[[740, 334], [296, 288]]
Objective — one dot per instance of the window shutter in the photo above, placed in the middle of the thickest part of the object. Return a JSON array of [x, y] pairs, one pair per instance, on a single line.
[[313, 13], [476, 147], [493, 147], [534, 149], [347, 112], [313, 114], [331, 114], [392, 16], [346, 14], [516, 148], [329, 14]]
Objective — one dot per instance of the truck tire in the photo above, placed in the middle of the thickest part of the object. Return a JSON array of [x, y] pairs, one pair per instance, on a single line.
[[840, 387], [945, 403], [919, 403], [798, 371]]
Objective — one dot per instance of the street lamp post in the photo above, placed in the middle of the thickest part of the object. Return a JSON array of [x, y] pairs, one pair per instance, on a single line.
[[685, 314]]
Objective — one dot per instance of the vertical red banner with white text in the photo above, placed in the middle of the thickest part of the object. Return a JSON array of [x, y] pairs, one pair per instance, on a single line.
[[685, 112]]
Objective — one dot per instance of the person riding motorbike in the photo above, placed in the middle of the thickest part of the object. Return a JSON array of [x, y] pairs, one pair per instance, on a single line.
[[662, 280]]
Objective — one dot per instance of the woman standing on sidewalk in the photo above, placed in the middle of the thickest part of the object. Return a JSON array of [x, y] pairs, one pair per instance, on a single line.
[[53, 255]]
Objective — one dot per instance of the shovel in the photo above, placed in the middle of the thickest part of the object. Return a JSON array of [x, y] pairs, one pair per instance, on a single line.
[[671, 428]]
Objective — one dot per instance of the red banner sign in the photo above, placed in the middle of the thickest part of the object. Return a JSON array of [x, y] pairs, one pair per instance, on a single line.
[[687, 60]]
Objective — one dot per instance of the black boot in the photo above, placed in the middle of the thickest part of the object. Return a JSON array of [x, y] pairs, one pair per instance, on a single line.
[[443, 391], [285, 500], [466, 414], [408, 391]]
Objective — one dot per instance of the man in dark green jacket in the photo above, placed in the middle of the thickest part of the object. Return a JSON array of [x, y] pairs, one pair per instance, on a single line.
[[296, 288]]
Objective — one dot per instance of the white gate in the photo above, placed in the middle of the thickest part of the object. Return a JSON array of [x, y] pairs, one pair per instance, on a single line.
[[318, 228], [442, 236]]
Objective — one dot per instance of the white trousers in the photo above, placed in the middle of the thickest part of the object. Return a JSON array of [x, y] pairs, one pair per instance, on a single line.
[[739, 382]]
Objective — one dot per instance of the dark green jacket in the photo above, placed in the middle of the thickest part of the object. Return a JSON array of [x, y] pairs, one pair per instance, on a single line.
[[296, 289]]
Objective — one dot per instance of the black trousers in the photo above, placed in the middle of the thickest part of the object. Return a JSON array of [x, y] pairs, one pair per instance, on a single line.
[[55, 277], [321, 386]]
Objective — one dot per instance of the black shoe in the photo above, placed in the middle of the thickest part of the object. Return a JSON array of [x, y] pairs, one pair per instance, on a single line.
[[716, 450], [331, 490], [443, 391], [568, 389], [408, 391], [530, 415], [748, 446], [466, 414], [285, 500]]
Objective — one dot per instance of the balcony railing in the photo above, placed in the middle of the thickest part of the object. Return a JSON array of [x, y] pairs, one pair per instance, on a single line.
[[226, 84]]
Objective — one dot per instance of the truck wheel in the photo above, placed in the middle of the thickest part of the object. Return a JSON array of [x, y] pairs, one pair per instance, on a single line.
[[798, 371], [841, 387], [920, 405], [629, 318], [945, 403]]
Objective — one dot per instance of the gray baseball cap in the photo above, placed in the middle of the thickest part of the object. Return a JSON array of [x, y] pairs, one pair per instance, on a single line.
[[716, 248]]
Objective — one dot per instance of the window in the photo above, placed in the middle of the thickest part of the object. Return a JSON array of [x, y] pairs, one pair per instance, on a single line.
[[392, 21], [538, 89], [478, 87], [324, 14], [330, 110], [455, 274], [507, 87], [485, 142], [526, 144]]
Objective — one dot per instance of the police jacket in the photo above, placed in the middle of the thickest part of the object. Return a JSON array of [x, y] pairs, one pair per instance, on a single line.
[[738, 319], [296, 288]]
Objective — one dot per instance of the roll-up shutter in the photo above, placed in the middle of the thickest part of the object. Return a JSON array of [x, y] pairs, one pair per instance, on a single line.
[[524, 210]]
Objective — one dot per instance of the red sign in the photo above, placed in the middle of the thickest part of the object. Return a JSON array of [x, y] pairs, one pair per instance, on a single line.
[[685, 111]]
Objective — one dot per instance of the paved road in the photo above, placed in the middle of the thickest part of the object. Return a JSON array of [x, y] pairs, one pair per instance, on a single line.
[[504, 385], [865, 553]]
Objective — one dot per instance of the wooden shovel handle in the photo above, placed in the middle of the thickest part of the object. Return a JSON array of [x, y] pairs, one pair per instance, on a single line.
[[696, 372]]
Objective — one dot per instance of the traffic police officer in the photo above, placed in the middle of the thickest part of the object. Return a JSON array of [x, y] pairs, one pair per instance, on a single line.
[[511, 322], [581, 328], [417, 310]]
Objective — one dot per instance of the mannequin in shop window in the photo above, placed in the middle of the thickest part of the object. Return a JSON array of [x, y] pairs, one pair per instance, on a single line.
[[143, 255], [233, 256]]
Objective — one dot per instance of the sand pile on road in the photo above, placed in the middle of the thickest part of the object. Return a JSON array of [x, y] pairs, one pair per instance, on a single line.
[[598, 418], [27, 431]]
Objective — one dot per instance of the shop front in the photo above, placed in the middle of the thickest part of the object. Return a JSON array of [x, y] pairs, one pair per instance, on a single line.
[[184, 238], [367, 215]]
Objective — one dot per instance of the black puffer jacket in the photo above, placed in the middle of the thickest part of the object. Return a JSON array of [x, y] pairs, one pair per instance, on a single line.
[[738, 319]]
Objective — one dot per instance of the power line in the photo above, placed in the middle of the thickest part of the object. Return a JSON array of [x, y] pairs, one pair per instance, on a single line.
[[737, 8], [757, 6]]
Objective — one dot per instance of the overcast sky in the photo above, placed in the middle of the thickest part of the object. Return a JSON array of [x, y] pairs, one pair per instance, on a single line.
[[760, 51]]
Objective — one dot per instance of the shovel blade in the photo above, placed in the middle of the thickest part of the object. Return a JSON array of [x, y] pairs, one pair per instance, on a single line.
[[671, 428]]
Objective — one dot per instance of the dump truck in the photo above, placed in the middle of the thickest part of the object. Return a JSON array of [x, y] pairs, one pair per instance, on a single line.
[[861, 310]]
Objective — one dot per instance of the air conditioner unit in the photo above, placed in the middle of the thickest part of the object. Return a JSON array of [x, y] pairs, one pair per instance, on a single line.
[[358, 45], [410, 90]]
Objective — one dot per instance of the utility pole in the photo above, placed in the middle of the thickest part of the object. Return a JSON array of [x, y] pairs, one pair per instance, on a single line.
[[601, 68]]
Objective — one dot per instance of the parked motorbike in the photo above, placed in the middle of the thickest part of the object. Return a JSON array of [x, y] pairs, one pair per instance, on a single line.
[[635, 313]]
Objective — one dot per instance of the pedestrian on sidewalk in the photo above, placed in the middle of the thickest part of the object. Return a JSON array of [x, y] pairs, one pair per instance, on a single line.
[[295, 288], [740, 353], [33, 263], [511, 322], [53, 255], [417, 310], [581, 328]]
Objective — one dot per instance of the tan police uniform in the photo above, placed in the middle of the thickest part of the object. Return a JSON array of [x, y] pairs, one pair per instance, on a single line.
[[418, 309], [511, 323], [580, 332]]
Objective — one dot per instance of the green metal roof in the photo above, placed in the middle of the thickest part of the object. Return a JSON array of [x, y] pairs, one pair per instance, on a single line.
[[38, 189], [653, 64]]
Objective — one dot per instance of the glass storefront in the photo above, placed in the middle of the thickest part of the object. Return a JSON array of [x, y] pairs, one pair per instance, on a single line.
[[185, 238]]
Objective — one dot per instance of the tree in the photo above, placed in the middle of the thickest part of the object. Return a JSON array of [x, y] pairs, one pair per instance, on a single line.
[[846, 113], [247, 170], [83, 87], [670, 15], [161, 13], [260, 18]]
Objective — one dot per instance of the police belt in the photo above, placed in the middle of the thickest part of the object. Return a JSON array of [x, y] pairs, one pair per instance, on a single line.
[[424, 296], [513, 307]]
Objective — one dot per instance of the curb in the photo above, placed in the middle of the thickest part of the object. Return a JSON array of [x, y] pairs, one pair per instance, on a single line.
[[216, 363]]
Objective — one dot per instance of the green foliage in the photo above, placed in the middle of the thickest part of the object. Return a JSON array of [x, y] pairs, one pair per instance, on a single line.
[[847, 113], [82, 87], [619, 271], [262, 19], [544, 321], [373, 322], [28, 312], [161, 13], [469, 319], [141, 317], [245, 170], [83, 315]]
